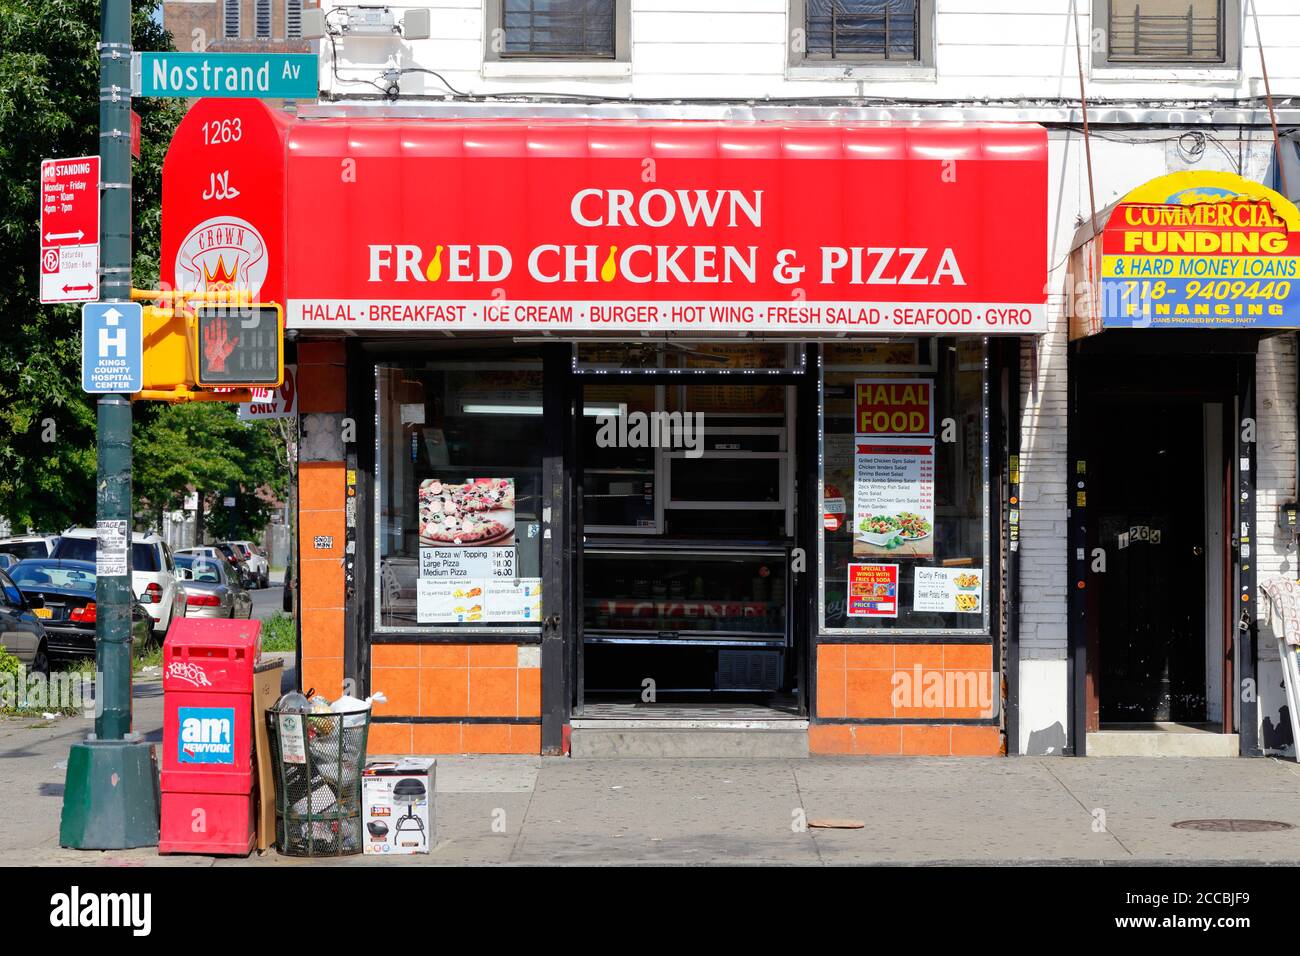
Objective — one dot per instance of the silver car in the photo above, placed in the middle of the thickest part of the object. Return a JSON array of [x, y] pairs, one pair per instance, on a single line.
[[211, 587]]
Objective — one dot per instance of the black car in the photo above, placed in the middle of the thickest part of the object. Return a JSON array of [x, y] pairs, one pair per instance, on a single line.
[[61, 593]]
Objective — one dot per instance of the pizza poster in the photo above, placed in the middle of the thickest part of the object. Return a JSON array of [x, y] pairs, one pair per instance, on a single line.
[[893, 497], [948, 590], [476, 512], [873, 590]]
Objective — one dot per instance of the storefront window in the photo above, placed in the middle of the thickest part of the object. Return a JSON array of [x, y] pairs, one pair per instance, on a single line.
[[458, 453], [904, 481]]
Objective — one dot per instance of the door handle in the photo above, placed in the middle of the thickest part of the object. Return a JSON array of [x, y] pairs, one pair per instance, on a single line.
[[1197, 550]]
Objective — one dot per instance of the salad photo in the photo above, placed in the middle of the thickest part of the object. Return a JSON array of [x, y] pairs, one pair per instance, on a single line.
[[891, 531]]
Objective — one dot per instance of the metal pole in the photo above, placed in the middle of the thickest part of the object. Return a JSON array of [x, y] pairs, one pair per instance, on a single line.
[[111, 798], [113, 485]]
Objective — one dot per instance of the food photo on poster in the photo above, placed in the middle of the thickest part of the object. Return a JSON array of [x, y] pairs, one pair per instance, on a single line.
[[873, 590], [893, 498]]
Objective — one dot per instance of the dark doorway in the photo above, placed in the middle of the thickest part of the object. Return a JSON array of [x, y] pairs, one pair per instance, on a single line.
[[1155, 526], [1148, 516]]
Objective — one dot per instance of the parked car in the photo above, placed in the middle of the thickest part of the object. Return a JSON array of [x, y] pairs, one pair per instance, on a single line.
[[153, 573], [229, 553], [7, 560], [257, 563], [60, 593], [29, 545], [211, 587], [21, 632]]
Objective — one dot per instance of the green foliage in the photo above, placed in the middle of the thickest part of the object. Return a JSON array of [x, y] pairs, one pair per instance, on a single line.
[[49, 107], [279, 633], [204, 446], [8, 663]]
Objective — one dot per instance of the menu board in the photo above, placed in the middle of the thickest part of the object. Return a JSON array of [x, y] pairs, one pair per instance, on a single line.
[[478, 600], [468, 561], [893, 497], [948, 590], [873, 590]]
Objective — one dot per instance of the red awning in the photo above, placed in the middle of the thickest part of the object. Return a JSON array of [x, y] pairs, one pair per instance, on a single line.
[[610, 226]]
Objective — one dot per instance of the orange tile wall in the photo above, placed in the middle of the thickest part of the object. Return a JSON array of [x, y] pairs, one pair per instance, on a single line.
[[454, 680], [322, 387], [856, 681]]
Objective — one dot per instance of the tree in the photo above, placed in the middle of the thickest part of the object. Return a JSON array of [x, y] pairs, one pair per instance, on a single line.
[[49, 107], [203, 447]]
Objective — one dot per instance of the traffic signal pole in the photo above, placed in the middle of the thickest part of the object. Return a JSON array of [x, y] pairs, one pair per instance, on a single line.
[[111, 793]]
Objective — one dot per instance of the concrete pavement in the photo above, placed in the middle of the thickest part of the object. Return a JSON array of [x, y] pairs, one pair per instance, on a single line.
[[531, 810]]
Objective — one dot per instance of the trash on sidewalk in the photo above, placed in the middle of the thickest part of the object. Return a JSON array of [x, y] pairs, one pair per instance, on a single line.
[[318, 750], [399, 801]]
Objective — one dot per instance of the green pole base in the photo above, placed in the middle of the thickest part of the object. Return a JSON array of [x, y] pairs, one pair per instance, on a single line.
[[110, 795]]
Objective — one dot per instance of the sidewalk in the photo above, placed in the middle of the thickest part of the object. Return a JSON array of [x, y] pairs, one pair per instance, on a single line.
[[532, 810]]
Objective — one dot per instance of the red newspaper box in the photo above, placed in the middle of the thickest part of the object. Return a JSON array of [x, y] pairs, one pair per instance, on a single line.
[[207, 767]]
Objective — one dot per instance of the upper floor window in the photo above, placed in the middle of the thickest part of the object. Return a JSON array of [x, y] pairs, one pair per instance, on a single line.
[[293, 19], [230, 20], [573, 38], [263, 21], [584, 29], [1169, 32], [863, 31]]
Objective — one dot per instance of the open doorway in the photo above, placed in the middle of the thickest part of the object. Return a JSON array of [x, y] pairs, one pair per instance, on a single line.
[[686, 521], [1154, 451]]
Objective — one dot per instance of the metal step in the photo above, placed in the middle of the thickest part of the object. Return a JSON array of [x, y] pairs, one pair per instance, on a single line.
[[789, 739]]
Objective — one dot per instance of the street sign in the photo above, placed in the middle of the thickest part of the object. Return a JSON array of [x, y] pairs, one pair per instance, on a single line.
[[288, 76], [112, 347], [70, 229], [270, 403], [240, 345]]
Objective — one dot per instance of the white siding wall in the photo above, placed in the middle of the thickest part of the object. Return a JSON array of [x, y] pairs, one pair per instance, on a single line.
[[1275, 412], [719, 49]]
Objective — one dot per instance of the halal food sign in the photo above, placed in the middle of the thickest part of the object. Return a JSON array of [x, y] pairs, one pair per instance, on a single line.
[[893, 406], [1201, 250]]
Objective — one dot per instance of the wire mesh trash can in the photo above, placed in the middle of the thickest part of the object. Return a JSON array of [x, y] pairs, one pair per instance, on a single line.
[[318, 759]]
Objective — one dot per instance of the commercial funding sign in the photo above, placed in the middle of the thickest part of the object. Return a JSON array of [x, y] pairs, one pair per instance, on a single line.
[[621, 227], [1199, 250]]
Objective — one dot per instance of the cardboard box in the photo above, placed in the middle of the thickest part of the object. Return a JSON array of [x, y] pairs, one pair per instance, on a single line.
[[398, 805], [266, 691]]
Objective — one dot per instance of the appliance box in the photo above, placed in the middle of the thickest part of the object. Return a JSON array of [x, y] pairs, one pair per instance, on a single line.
[[398, 802]]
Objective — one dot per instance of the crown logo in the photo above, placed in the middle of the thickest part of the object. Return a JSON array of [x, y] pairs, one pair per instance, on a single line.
[[223, 278]]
